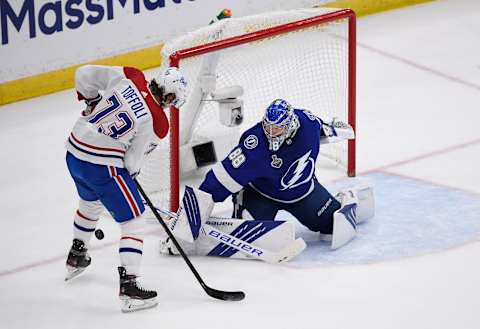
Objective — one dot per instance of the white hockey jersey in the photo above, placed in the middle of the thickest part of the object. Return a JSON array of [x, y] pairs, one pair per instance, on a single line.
[[121, 129]]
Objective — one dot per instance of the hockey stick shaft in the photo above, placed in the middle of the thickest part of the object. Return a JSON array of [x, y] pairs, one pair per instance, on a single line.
[[224, 295], [287, 253]]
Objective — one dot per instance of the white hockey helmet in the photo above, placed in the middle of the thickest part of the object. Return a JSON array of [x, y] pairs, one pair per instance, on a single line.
[[279, 122], [169, 88]]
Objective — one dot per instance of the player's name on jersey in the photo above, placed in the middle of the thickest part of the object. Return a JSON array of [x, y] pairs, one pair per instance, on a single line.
[[135, 101]]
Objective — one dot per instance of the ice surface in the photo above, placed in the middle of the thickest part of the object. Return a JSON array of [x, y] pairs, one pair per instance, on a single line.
[[418, 95]]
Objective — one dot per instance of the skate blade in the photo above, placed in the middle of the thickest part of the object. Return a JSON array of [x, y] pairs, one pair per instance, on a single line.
[[132, 305], [73, 272]]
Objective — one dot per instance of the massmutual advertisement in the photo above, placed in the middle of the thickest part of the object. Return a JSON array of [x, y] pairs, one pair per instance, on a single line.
[[44, 35]]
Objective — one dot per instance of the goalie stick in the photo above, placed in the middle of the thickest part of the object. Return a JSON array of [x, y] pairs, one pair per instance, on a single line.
[[287, 253], [218, 294]]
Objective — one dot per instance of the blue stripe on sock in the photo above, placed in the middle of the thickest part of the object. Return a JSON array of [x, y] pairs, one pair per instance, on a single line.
[[130, 250], [84, 229]]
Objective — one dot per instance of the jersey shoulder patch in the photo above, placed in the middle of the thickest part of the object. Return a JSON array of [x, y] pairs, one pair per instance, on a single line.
[[252, 137], [250, 142]]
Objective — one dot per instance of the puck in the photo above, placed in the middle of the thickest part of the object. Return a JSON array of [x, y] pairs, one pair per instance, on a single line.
[[99, 234]]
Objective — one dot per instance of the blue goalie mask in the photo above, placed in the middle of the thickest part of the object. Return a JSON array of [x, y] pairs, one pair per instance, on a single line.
[[279, 122]]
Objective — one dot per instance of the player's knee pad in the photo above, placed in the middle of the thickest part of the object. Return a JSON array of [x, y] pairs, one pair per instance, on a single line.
[[90, 209], [345, 219]]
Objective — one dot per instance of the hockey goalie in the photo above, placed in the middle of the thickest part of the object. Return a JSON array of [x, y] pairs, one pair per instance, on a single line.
[[271, 169]]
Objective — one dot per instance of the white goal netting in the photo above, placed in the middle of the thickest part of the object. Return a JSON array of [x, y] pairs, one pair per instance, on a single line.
[[307, 66]]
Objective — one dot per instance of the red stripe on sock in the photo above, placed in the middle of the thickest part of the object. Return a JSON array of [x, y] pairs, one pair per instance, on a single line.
[[85, 217], [131, 238]]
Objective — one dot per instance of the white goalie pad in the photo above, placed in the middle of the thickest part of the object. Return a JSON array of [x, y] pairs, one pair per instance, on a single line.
[[358, 205], [195, 209], [366, 203], [265, 234], [345, 220]]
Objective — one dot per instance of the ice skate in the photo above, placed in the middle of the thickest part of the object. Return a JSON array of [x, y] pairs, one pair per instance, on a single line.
[[133, 296], [77, 260]]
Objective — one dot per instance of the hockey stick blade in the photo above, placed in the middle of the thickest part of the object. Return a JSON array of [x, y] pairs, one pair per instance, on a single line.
[[224, 295], [218, 294]]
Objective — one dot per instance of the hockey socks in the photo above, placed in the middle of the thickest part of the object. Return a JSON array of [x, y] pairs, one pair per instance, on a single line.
[[86, 219], [131, 245]]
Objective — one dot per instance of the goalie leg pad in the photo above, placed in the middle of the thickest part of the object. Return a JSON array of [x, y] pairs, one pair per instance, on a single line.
[[195, 209], [267, 234], [366, 201], [345, 220], [264, 234]]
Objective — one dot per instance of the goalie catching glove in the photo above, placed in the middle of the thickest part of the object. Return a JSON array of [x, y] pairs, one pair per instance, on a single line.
[[336, 131]]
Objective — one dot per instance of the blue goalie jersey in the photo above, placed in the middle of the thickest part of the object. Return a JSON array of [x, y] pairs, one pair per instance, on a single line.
[[285, 175]]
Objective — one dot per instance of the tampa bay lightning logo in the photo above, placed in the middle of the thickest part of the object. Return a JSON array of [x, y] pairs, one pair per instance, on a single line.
[[299, 172], [250, 142]]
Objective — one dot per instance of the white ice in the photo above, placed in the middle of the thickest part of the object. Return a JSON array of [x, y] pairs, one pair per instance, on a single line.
[[418, 117]]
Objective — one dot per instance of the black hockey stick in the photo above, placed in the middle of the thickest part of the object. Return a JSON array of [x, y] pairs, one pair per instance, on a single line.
[[218, 294]]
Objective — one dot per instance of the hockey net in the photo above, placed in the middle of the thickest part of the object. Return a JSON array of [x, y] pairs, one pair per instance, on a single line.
[[306, 57]]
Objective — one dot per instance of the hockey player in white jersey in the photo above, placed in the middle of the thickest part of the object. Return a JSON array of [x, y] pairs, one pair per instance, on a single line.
[[273, 168], [106, 148]]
